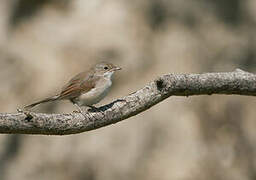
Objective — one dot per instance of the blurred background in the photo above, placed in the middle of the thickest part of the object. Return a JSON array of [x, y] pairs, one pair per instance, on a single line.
[[44, 43]]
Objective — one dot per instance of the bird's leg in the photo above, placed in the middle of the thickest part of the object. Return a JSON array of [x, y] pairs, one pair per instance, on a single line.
[[80, 110]]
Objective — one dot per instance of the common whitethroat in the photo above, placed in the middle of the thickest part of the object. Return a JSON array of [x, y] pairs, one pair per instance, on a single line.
[[86, 88]]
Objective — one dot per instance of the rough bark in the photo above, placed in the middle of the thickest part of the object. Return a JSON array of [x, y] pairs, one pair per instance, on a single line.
[[237, 83]]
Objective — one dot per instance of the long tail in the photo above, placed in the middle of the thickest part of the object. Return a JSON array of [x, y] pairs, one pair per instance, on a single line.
[[43, 101]]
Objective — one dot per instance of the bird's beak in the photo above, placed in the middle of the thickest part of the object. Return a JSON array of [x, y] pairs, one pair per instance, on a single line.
[[117, 68]]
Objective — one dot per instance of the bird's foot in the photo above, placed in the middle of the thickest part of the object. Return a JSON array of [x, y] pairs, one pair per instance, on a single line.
[[81, 111]]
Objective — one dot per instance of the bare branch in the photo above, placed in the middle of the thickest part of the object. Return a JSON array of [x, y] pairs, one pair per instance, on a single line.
[[238, 82]]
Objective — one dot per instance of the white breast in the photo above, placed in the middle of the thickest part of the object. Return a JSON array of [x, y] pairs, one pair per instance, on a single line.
[[96, 94]]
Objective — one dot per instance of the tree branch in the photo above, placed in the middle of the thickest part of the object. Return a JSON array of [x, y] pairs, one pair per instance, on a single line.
[[238, 82]]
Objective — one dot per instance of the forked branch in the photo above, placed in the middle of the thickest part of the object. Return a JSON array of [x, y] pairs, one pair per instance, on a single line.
[[230, 83]]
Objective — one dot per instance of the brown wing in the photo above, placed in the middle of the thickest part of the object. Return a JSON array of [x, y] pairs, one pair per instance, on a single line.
[[81, 83]]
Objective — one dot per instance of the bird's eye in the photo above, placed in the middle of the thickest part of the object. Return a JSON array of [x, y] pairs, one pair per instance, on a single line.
[[106, 68]]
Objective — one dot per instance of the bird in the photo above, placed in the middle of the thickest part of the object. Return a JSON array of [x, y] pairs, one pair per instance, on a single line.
[[86, 88]]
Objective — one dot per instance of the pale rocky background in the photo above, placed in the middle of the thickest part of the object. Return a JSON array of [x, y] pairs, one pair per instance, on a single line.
[[44, 43]]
